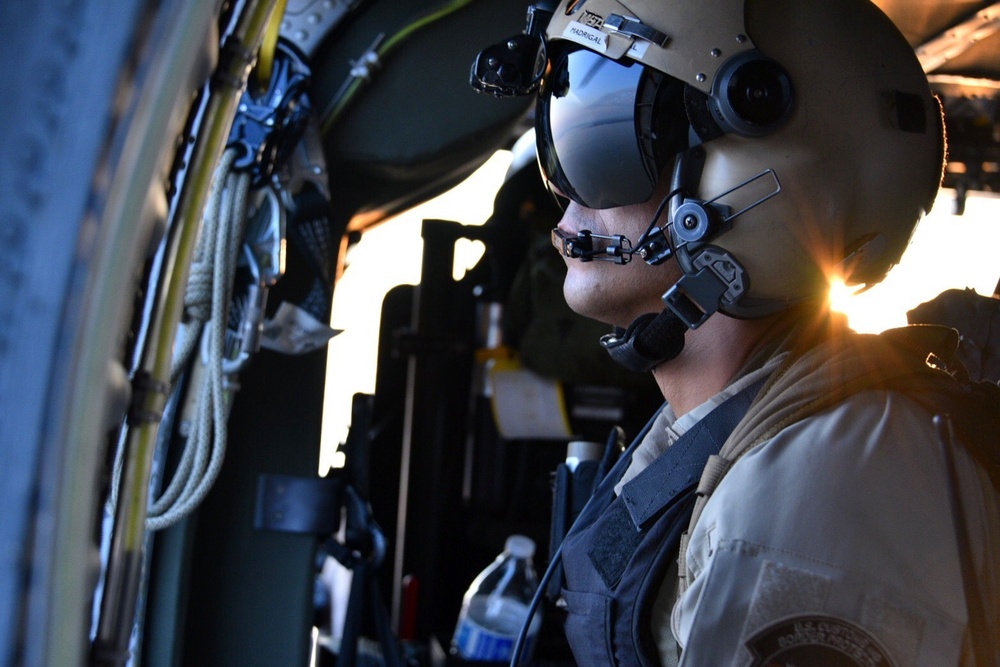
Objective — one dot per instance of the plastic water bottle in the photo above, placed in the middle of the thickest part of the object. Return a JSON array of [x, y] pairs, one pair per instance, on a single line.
[[496, 606]]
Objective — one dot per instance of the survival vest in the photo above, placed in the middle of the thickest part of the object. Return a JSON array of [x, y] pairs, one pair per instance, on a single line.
[[621, 547]]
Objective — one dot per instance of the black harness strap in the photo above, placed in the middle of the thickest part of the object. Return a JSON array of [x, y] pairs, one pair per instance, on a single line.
[[649, 341]]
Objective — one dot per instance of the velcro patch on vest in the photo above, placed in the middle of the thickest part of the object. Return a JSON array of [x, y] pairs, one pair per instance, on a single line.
[[816, 640], [617, 541]]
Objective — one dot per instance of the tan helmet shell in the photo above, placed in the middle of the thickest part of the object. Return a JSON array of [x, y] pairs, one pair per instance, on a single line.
[[700, 36], [859, 160]]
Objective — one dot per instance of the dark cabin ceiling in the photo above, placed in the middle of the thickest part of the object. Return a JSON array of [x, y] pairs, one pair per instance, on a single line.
[[958, 42]]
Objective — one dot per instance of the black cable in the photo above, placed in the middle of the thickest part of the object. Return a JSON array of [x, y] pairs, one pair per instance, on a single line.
[[656, 216], [978, 627], [522, 636]]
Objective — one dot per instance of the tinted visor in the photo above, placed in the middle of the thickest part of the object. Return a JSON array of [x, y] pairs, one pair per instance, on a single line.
[[586, 130]]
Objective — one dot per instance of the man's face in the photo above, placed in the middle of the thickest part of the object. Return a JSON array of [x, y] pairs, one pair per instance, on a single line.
[[608, 292]]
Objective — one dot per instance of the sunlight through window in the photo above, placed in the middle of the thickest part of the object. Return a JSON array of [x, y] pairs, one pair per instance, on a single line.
[[389, 255], [946, 251]]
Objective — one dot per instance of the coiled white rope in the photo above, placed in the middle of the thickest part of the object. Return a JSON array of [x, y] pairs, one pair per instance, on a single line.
[[207, 301], [206, 446]]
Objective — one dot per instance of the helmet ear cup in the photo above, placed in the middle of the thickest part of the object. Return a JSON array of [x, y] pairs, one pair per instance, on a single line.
[[752, 95]]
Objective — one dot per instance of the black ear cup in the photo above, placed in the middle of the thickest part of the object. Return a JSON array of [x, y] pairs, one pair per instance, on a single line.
[[752, 95]]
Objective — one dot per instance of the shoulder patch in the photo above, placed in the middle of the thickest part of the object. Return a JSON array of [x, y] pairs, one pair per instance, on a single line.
[[816, 640]]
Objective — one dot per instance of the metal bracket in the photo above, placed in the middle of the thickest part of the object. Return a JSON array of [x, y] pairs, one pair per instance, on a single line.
[[752, 179], [632, 27], [618, 248], [270, 123]]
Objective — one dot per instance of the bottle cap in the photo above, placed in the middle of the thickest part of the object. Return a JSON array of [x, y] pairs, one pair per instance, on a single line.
[[520, 546]]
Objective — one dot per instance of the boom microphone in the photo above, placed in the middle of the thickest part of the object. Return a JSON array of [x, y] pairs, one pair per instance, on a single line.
[[587, 246]]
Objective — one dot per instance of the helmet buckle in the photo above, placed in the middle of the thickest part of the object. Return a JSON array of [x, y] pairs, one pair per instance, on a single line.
[[718, 278]]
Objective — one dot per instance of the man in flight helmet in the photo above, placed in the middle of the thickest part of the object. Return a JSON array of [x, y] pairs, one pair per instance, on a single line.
[[722, 162]]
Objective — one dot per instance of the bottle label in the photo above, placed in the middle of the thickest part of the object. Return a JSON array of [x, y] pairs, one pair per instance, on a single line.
[[474, 642]]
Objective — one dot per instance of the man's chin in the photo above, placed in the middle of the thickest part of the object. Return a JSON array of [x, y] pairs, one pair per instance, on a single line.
[[588, 305]]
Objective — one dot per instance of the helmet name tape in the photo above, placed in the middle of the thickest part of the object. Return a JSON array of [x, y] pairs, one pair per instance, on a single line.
[[584, 35]]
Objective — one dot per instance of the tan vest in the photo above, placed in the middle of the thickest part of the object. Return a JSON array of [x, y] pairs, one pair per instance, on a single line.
[[907, 360]]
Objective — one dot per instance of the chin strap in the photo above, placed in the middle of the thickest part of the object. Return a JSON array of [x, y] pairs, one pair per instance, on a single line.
[[649, 341]]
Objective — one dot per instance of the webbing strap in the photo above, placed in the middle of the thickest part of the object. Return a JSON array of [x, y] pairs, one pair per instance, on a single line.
[[649, 341], [715, 469], [682, 564]]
